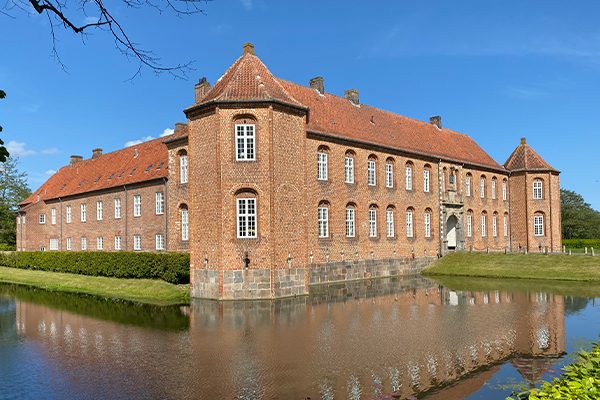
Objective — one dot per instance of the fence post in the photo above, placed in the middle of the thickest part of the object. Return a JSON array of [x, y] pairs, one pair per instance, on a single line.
[[586, 251], [564, 249], [569, 251]]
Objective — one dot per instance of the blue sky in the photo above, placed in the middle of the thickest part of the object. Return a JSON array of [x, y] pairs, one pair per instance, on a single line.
[[495, 70]]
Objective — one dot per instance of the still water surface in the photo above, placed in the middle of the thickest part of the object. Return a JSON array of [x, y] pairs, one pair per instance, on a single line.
[[355, 341]]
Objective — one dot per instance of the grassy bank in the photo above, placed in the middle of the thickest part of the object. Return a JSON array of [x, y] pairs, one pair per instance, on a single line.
[[519, 266], [146, 291]]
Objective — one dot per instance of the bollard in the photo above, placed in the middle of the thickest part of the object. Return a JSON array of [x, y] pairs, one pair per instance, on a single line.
[[564, 249], [592, 252], [586, 251], [569, 251]]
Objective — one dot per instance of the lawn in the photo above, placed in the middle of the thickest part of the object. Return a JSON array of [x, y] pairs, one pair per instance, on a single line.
[[148, 291], [521, 266]]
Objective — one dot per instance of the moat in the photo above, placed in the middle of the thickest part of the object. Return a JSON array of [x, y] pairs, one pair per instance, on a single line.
[[470, 339]]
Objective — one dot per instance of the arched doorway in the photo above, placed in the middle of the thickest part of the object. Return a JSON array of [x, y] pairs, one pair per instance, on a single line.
[[451, 232]]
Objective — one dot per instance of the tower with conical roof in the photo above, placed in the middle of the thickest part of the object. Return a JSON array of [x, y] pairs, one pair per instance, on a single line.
[[534, 201]]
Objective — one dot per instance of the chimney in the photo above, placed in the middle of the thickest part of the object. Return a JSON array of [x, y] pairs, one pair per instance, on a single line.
[[96, 153], [75, 159], [523, 140], [352, 95], [202, 88], [179, 126], [436, 120], [318, 84], [248, 48]]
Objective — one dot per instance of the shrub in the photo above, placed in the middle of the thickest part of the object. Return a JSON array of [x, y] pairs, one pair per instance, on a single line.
[[170, 267], [581, 243]]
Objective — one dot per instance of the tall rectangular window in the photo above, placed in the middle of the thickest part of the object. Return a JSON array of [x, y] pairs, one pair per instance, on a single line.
[[42, 218], [389, 222], [504, 191], [371, 173], [53, 244], [427, 224], [483, 225], [160, 242], [53, 216], [389, 175], [83, 212], [537, 189], [137, 242], [117, 242], [495, 225], [323, 220], [246, 218], [468, 185], [426, 181], [69, 213], [137, 205], [350, 222], [183, 168], [409, 224], [245, 143], [505, 225], [99, 210], [372, 222], [160, 203], [493, 189], [84, 243], [482, 188], [538, 225], [185, 225], [117, 208], [322, 166], [408, 177], [349, 169], [69, 243], [469, 225], [99, 243]]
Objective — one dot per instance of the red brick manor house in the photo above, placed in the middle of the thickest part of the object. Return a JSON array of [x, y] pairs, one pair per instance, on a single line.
[[274, 186]]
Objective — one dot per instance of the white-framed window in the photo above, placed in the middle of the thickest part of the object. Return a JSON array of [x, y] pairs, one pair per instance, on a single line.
[[482, 187], [84, 243], [483, 225], [426, 180], [69, 213], [372, 222], [246, 218], [69, 243], [538, 192], [349, 169], [160, 241], [185, 224], [99, 210], [183, 168], [137, 242], [350, 222], [117, 242], [323, 221], [408, 177], [538, 225], [468, 185], [427, 223], [504, 190], [245, 142], [42, 218], [505, 225], [117, 208], [99, 243], [469, 224], [410, 232], [321, 165], [83, 212], [389, 222], [23, 219], [160, 203], [495, 225], [53, 216], [18, 220], [53, 244], [493, 189], [137, 205], [371, 172], [389, 174]]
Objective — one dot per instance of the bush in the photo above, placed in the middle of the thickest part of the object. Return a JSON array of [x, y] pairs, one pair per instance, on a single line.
[[581, 243], [170, 267]]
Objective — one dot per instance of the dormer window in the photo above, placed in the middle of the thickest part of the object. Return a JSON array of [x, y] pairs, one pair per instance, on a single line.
[[245, 142]]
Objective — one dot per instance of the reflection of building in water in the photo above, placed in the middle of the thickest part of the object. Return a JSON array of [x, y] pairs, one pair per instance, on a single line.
[[8, 322], [352, 341]]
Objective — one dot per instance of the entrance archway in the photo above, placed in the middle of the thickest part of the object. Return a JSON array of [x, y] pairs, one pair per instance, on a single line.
[[451, 232]]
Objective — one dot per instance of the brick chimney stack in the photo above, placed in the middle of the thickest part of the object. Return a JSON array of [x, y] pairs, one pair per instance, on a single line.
[[96, 153], [179, 126], [352, 95], [318, 84], [75, 159], [436, 120], [248, 48], [202, 88]]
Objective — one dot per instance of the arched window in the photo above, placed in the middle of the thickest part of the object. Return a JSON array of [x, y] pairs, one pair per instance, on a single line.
[[504, 189], [185, 222], [538, 189], [538, 224], [482, 187], [350, 220], [495, 224], [409, 176], [349, 167], [183, 167], [426, 178], [389, 222], [373, 221], [245, 142], [427, 223], [505, 224], [246, 217], [494, 182], [469, 223], [468, 184], [389, 173], [410, 231], [323, 219], [484, 224], [372, 171], [322, 167]]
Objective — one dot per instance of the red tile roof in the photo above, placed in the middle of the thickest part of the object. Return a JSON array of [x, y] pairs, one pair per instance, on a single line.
[[524, 158], [143, 162]]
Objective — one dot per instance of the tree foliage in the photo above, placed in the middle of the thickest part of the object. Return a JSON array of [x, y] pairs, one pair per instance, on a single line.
[[3, 151], [13, 189], [579, 219]]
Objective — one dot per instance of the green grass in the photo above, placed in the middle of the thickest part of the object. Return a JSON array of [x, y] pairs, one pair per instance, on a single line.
[[519, 266], [148, 291]]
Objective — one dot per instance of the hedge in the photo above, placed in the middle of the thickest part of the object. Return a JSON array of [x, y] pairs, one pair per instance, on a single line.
[[170, 267], [581, 243]]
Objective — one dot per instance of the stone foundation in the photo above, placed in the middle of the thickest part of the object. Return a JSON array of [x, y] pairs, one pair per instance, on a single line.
[[252, 284]]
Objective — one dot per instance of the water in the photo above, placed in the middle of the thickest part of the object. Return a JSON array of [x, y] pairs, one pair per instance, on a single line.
[[471, 339]]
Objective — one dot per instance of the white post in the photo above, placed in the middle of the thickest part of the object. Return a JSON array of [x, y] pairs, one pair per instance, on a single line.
[[592, 252], [564, 249], [586, 251], [569, 251]]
